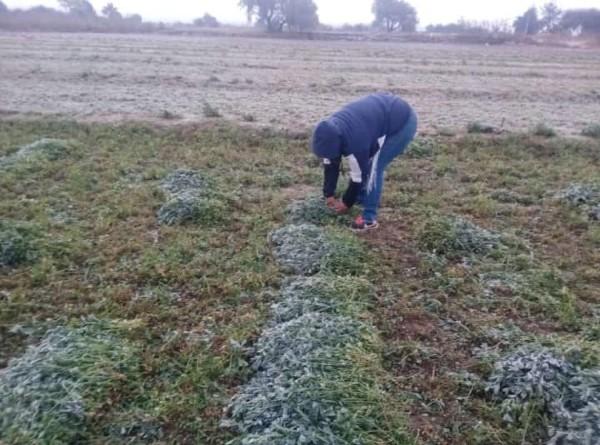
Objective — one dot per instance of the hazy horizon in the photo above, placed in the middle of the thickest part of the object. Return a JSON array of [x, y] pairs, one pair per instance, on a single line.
[[333, 12]]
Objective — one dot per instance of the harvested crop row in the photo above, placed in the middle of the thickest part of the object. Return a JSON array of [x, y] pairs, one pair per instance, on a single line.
[[48, 394], [317, 369]]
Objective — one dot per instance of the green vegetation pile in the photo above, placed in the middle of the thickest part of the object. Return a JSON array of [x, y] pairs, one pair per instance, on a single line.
[[190, 198], [421, 147], [585, 197], [312, 210], [299, 248], [324, 294], [537, 379], [305, 249], [17, 243], [48, 394], [455, 236], [45, 149]]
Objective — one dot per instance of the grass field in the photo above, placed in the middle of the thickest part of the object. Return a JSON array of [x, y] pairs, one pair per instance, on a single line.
[[181, 304], [168, 273], [292, 84]]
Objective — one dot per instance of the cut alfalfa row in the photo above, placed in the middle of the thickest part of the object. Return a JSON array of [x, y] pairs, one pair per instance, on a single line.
[[43, 149], [49, 393], [537, 378], [317, 381], [348, 296], [305, 249], [317, 365], [191, 198]]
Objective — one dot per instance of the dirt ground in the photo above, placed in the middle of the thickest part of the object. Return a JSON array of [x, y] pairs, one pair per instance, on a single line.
[[292, 84]]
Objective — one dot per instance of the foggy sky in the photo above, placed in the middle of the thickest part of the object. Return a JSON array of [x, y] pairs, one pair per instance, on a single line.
[[330, 11]]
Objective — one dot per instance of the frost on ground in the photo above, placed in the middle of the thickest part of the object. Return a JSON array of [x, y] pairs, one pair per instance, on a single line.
[[190, 198], [305, 249], [537, 377], [455, 236], [16, 244], [311, 210], [325, 294], [584, 196], [50, 149], [47, 394], [304, 378], [299, 248]]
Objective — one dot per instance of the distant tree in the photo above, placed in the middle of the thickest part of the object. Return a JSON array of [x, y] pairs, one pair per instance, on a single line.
[[528, 23], [276, 14], [395, 15], [301, 15], [111, 12], [268, 13], [551, 15], [81, 8], [3, 8], [587, 19], [207, 21]]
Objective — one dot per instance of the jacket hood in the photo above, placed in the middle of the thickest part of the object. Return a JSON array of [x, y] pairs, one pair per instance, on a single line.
[[327, 140]]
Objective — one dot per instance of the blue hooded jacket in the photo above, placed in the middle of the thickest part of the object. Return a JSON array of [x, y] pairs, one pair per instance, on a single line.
[[354, 132]]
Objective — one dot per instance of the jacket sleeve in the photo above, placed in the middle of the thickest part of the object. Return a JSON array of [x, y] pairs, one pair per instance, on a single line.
[[331, 175], [359, 167]]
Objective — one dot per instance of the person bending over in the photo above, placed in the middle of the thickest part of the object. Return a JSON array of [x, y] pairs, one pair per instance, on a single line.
[[369, 133]]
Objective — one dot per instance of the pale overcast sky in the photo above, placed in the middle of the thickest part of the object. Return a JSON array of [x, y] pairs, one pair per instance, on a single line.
[[330, 11]]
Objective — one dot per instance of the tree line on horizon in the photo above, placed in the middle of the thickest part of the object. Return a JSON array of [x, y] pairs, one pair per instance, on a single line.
[[75, 15], [302, 15]]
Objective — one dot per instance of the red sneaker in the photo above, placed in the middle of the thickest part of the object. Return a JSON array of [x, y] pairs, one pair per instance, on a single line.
[[360, 225]]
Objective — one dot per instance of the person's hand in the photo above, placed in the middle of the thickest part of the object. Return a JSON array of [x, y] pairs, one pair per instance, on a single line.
[[340, 208], [331, 202]]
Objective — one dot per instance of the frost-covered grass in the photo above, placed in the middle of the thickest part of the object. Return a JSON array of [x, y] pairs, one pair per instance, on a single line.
[[583, 196], [191, 198], [317, 366], [316, 382], [200, 291], [312, 210], [538, 380], [305, 249], [344, 295], [522, 258], [49, 394], [318, 374], [42, 149], [455, 236]]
